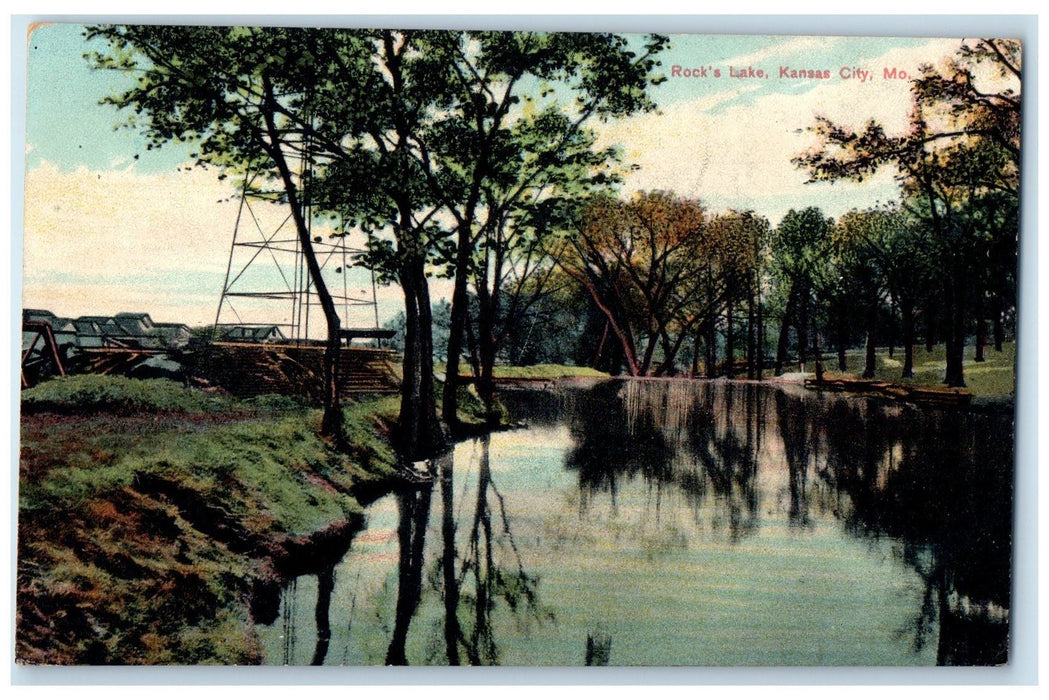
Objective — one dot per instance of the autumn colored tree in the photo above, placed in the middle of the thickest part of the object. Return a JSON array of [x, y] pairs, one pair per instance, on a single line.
[[645, 263]]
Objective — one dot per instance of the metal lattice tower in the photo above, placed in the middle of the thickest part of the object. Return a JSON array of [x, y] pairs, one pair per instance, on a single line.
[[267, 281]]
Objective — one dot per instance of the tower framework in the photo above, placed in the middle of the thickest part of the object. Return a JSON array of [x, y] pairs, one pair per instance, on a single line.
[[268, 285]]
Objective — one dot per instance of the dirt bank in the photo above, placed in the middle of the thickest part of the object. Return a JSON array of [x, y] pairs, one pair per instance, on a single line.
[[157, 536]]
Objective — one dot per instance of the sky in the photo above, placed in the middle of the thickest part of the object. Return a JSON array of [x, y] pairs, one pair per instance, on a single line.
[[110, 226]]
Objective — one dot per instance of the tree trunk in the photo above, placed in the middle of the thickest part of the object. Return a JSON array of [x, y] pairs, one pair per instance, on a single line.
[[840, 340], [760, 320], [907, 311], [331, 422], [596, 364], [999, 322], [804, 301], [892, 327], [459, 318], [419, 433], [751, 335], [955, 374], [471, 349], [650, 352], [711, 346], [694, 369], [487, 311], [870, 361], [784, 330], [730, 344], [981, 329], [621, 330], [817, 352]]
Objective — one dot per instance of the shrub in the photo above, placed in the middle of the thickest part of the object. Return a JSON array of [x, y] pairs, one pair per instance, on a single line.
[[92, 393]]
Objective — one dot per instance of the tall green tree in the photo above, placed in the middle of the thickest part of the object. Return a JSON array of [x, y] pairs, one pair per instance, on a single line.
[[799, 246], [369, 124], [346, 104], [243, 96], [962, 143], [515, 113], [739, 240], [862, 242]]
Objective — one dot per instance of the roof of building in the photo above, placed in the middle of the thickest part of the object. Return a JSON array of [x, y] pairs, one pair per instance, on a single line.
[[254, 332], [127, 327]]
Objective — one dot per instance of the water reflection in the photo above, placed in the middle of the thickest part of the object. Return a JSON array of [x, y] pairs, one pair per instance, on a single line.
[[688, 522], [937, 480], [325, 585], [941, 481], [414, 508], [481, 573]]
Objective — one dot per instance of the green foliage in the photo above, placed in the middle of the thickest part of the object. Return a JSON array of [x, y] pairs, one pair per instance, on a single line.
[[138, 531], [958, 167], [801, 242], [92, 392], [400, 125]]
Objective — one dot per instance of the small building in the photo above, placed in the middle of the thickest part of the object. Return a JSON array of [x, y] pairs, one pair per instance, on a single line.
[[63, 329], [135, 324], [98, 332], [254, 334], [133, 330], [173, 335]]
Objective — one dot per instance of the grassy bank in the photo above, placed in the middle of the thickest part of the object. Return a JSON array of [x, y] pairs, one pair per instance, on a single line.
[[543, 371], [149, 513], [546, 372], [992, 379]]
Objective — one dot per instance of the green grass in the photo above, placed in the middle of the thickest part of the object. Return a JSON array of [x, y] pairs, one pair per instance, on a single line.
[[92, 392], [144, 506], [542, 371], [546, 371], [995, 378]]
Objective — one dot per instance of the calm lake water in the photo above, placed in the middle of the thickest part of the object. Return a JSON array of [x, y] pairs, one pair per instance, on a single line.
[[682, 523]]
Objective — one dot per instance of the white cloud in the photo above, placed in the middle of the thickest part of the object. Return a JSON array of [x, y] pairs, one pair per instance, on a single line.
[[798, 44], [103, 242], [739, 156]]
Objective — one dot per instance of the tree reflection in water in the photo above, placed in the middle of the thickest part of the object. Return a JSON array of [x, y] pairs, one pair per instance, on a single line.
[[936, 483], [325, 585], [414, 509], [680, 434], [482, 572], [939, 481], [472, 576]]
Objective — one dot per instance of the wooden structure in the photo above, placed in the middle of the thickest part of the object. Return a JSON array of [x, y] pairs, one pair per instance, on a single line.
[[41, 358], [116, 361], [247, 369], [268, 282]]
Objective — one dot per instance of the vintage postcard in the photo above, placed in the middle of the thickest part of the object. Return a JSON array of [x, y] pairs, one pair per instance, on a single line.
[[386, 346]]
